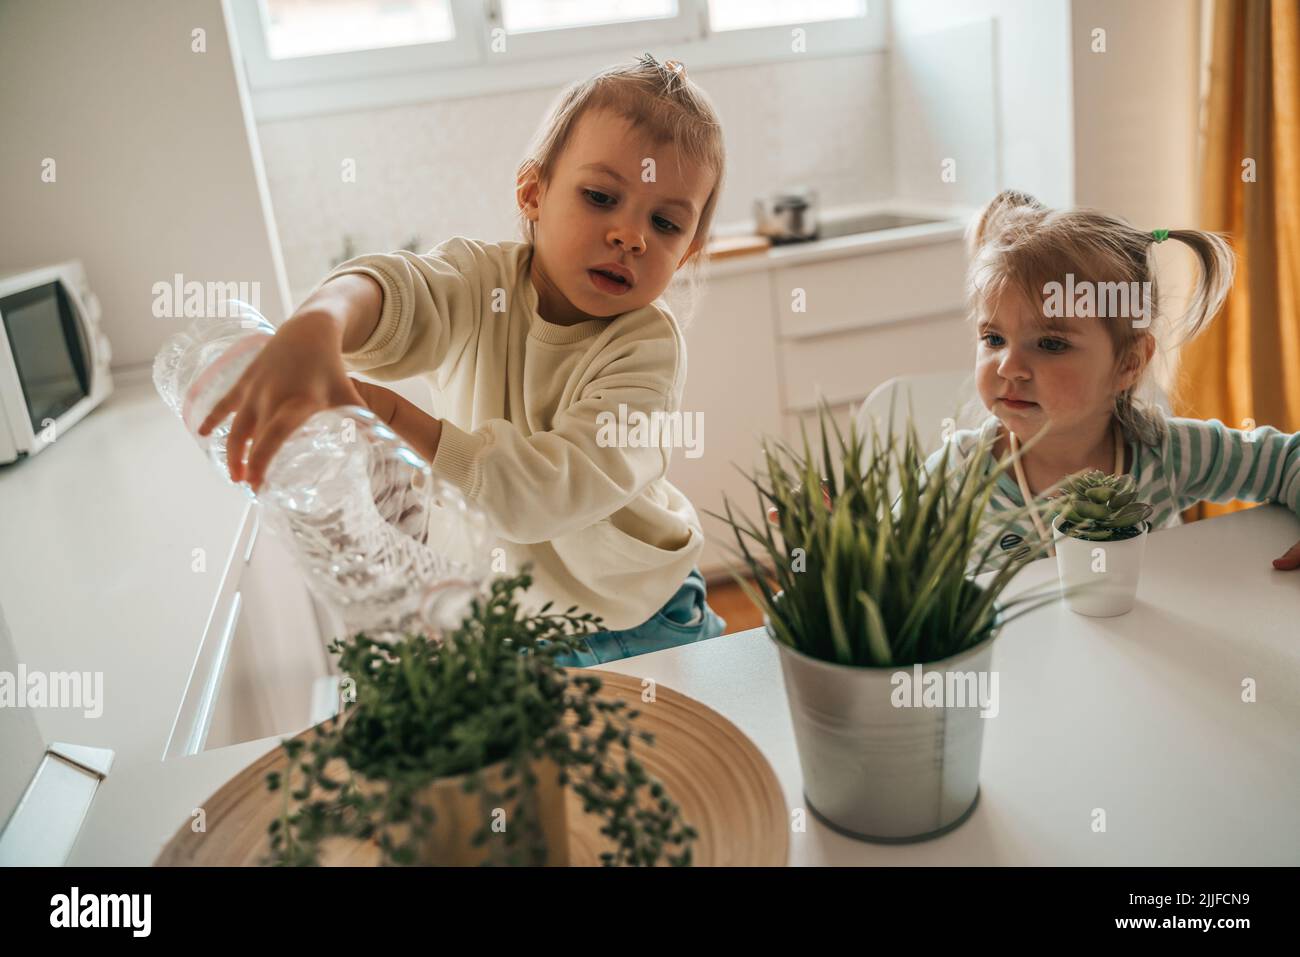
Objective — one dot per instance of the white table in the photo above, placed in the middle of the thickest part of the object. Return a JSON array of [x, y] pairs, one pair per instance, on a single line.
[[99, 536], [1141, 716], [115, 543]]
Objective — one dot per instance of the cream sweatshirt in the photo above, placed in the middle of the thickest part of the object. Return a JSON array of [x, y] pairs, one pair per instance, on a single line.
[[521, 401]]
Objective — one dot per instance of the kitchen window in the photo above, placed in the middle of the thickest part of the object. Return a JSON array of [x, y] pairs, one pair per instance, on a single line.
[[305, 57]]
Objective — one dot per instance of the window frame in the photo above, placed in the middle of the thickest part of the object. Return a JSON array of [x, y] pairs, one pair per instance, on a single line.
[[601, 37], [467, 66], [266, 73]]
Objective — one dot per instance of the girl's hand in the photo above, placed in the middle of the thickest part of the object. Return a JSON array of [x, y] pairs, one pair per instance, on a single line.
[[297, 374], [774, 516], [421, 430], [1290, 561]]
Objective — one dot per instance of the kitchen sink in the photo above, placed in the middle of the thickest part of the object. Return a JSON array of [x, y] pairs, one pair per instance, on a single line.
[[871, 223]]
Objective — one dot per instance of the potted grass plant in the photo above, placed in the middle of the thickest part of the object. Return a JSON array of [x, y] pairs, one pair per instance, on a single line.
[[1100, 533], [457, 750], [862, 575]]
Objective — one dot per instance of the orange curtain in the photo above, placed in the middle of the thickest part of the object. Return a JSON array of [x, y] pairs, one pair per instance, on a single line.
[[1246, 367]]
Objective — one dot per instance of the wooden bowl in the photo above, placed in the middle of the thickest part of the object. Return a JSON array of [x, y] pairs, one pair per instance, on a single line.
[[726, 789]]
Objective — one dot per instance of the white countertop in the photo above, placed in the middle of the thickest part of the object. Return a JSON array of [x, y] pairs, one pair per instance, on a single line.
[[1140, 715], [949, 225], [97, 564]]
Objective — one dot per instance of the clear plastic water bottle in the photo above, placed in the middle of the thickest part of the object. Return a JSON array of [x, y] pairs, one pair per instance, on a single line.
[[391, 547]]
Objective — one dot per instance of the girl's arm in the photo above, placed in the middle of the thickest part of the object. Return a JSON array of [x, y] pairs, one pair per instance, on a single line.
[[1210, 462], [298, 373], [391, 316], [428, 310], [420, 430], [537, 487]]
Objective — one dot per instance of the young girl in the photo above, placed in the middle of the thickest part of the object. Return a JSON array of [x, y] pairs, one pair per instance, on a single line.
[[530, 348], [1054, 350]]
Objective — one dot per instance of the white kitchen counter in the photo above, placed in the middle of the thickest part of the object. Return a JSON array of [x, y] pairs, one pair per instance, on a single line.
[[97, 552], [949, 224], [1140, 715]]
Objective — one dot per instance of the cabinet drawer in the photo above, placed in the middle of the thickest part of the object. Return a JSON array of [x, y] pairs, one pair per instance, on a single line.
[[870, 290], [799, 423], [846, 367]]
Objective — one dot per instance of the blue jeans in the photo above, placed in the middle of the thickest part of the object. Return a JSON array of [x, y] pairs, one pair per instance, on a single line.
[[668, 628]]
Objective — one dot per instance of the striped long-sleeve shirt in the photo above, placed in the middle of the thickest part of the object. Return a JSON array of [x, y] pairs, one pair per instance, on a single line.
[[1196, 461]]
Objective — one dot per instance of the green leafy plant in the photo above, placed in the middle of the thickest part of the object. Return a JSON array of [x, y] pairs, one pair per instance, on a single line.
[[867, 564], [489, 691], [1101, 508]]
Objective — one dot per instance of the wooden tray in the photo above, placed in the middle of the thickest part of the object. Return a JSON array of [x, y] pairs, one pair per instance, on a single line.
[[726, 789]]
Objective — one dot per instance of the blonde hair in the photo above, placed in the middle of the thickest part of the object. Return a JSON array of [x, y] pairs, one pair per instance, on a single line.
[[1017, 242], [658, 100]]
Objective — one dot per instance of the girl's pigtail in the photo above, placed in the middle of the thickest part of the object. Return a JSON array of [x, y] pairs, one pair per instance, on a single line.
[[1216, 269]]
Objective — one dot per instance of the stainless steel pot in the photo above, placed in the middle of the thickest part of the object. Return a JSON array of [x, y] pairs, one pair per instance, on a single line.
[[874, 770], [788, 216]]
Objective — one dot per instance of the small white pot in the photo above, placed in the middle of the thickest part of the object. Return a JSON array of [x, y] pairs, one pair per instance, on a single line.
[[1099, 579]]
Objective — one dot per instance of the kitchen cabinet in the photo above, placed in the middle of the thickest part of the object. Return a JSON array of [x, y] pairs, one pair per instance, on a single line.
[[868, 289], [776, 332], [732, 386], [865, 319]]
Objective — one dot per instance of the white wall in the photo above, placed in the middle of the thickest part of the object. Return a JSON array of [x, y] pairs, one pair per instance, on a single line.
[[1135, 108], [1136, 114], [447, 167], [157, 171], [1034, 83], [1116, 130]]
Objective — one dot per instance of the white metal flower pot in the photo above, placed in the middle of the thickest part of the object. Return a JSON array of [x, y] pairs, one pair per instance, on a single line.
[[878, 771], [1099, 579]]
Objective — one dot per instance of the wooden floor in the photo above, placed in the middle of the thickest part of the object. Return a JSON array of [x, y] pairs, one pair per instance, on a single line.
[[733, 605]]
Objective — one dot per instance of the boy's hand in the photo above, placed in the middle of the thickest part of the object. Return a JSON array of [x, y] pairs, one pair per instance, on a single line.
[[420, 430], [1290, 561], [297, 374]]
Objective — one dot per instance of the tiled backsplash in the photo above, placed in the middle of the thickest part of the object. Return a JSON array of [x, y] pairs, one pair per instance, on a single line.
[[447, 167]]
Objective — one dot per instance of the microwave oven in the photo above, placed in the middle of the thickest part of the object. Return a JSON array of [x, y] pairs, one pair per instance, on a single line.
[[53, 357]]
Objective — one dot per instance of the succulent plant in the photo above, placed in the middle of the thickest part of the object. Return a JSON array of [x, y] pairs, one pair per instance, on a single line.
[[1100, 507]]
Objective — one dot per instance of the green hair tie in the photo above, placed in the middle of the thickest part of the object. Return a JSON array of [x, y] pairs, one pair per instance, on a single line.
[[1160, 235]]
